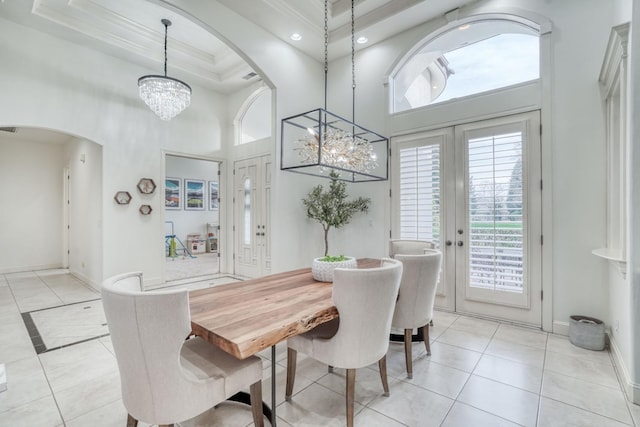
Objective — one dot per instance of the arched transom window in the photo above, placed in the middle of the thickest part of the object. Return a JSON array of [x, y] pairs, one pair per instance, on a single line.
[[471, 58], [254, 120]]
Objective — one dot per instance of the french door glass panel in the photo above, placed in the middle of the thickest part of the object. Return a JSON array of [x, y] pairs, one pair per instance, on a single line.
[[495, 214], [420, 213]]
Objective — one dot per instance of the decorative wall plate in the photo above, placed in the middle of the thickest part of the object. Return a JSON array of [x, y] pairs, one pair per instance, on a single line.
[[146, 186], [122, 197], [145, 209]]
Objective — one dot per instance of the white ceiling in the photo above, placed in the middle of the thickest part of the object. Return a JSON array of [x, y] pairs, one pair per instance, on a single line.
[[131, 30]]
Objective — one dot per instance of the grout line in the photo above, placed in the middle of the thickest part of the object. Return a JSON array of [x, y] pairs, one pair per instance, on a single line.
[[63, 305], [53, 394], [76, 342]]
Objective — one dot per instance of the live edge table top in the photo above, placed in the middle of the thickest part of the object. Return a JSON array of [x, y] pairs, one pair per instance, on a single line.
[[244, 318]]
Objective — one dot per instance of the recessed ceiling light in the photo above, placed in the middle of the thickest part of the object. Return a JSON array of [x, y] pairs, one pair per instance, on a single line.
[[295, 37], [362, 40], [464, 27]]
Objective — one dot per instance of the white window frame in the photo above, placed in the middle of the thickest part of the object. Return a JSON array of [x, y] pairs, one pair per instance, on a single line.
[[613, 84]]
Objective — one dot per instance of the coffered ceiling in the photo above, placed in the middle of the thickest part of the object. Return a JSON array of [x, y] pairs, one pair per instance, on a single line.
[[131, 30]]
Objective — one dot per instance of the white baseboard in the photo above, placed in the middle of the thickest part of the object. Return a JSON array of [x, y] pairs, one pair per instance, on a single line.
[[85, 279], [8, 270], [631, 389], [561, 328], [154, 282]]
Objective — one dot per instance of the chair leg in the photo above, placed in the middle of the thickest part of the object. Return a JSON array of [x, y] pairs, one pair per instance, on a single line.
[[292, 356], [407, 352], [424, 331], [382, 366], [131, 422], [351, 392], [256, 403]]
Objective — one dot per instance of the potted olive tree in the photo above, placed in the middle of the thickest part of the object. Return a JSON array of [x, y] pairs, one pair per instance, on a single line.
[[332, 209]]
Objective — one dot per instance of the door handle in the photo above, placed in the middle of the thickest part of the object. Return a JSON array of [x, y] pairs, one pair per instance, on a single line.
[[448, 243], [460, 243]]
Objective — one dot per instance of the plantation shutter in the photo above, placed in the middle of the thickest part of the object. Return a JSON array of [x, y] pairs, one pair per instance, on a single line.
[[419, 171], [496, 205]]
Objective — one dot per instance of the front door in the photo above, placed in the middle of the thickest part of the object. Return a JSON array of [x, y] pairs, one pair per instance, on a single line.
[[475, 191], [252, 202]]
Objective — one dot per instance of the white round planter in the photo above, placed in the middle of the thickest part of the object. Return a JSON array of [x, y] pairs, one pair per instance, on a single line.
[[322, 271]]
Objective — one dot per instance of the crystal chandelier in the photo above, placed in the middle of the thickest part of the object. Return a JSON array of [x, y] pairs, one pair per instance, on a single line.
[[318, 142], [339, 149], [166, 96]]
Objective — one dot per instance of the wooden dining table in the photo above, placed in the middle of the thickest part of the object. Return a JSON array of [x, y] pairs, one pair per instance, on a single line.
[[244, 318]]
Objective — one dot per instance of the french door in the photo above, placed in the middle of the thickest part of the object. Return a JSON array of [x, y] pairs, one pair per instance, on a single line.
[[252, 207], [475, 191]]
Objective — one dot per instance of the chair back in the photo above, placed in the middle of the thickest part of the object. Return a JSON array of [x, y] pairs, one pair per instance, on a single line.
[[148, 330], [408, 247], [365, 299], [420, 274]]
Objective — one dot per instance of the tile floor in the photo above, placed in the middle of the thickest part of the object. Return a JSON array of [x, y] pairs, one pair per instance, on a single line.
[[480, 373]]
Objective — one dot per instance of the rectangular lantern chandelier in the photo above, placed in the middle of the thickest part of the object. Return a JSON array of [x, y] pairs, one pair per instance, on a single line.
[[318, 142]]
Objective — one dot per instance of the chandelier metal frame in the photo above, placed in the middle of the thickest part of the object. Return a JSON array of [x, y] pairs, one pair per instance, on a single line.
[[318, 142]]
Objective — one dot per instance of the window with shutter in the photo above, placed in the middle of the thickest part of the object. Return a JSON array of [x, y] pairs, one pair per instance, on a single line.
[[496, 203], [420, 193]]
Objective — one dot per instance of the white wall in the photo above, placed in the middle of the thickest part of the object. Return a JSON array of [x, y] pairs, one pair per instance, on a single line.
[[191, 221], [84, 160], [31, 210]]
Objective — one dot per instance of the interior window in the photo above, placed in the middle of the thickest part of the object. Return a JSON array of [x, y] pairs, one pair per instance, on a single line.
[[254, 121], [472, 58]]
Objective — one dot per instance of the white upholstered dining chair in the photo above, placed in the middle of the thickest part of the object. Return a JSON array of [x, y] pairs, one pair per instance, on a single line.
[[408, 247], [165, 377], [414, 308], [365, 299]]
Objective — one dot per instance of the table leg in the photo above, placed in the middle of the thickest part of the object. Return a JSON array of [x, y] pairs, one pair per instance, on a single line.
[[243, 397], [273, 386]]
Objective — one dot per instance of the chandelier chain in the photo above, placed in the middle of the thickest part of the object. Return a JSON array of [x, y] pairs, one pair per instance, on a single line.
[[166, 29], [326, 49], [353, 63]]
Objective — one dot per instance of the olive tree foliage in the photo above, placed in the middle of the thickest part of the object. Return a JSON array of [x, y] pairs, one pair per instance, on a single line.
[[331, 207]]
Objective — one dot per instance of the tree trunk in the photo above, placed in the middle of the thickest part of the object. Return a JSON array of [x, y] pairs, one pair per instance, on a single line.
[[326, 240]]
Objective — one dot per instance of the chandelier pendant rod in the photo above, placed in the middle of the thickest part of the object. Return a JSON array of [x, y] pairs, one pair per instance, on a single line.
[[166, 24], [353, 69]]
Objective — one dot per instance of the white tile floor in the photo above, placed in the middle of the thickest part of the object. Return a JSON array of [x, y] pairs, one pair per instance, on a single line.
[[480, 373]]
